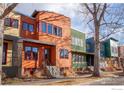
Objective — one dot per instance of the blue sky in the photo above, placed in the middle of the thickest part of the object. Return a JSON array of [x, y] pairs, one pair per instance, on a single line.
[[67, 9]]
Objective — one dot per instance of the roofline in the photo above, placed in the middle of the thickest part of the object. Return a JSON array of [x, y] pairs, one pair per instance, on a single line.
[[78, 31], [22, 14], [36, 12], [113, 39]]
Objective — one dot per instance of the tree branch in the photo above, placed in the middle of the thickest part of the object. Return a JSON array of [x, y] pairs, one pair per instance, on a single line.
[[8, 10]]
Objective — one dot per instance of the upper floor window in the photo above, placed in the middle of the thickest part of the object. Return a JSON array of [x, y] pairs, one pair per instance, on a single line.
[[7, 22], [15, 23], [44, 27], [55, 30], [64, 53], [25, 26], [11, 22], [59, 31], [31, 28], [77, 41], [50, 27]]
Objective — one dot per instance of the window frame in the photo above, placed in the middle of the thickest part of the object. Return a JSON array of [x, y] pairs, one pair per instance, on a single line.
[[45, 26], [64, 51], [14, 25], [55, 33], [31, 53], [33, 58], [5, 20], [49, 28], [29, 29], [25, 52], [23, 26], [59, 31]]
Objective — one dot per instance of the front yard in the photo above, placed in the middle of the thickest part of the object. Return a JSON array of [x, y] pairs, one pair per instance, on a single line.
[[78, 80]]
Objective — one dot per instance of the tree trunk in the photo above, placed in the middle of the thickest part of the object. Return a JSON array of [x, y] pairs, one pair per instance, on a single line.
[[1, 46], [97, 51]]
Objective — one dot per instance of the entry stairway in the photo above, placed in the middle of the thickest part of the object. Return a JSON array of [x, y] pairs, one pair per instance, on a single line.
[[53, 71]]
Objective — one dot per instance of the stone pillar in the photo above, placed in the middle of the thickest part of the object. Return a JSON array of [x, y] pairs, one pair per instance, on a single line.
[[15, 53], [19, 57]]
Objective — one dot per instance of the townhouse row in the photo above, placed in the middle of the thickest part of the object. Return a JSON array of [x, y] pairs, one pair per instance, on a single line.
[[111, 54], [46, 40]]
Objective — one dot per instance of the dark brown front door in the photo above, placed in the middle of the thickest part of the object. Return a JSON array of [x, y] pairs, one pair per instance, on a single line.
[[47, 56], [4, 59]]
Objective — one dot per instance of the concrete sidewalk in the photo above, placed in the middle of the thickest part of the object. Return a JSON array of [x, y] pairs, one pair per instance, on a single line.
[[86, 79]]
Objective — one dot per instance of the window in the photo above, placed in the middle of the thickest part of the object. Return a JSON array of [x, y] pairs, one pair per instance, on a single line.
[[88, 46], [73, 57], [55, 30], [28, 53], [25, 26], [11, 22], [15, 23], [31, 53], [7, 22], [78, 58], [31, 28], [49, 28], [59, 31], [64, 53], [44, 27], [35, 53]]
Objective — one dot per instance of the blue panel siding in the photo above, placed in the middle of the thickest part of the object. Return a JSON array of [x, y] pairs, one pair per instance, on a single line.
[[90, 45]]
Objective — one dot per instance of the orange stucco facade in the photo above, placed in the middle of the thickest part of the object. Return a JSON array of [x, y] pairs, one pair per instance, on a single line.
[[52, 42]]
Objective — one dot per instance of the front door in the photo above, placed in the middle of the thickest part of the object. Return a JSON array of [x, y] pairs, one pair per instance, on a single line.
[[47, 56], [4, 59]]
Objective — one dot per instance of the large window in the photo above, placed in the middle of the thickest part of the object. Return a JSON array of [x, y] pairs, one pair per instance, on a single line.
[[50, 27], [28, 53], [64, 53], [28, 27], [11, 22], [31, 28], [44, 27], [78, 58], [77, 41], [35, 53], [31, 53], [25, 26]]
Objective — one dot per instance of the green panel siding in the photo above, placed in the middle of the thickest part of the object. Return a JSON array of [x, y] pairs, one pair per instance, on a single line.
[[108, 46], [79, 65], [81, 36], [78, 48], [76, 63]]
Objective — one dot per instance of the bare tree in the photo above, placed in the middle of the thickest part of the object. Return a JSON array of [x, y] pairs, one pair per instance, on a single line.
[[5, 9], [103, 20]]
